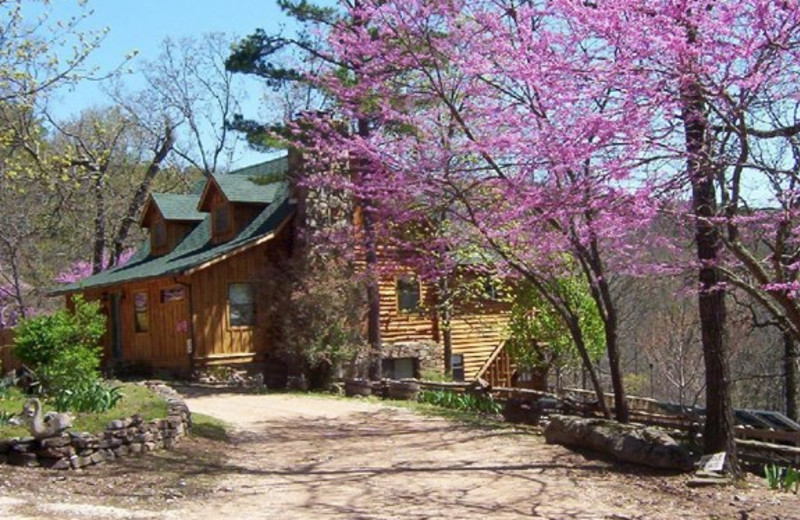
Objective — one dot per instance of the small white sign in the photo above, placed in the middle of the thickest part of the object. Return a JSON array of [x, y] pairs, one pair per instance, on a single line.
[[715, 462], [189, 346]]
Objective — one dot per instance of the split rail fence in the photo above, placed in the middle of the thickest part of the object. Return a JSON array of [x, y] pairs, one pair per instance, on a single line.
[[756, 445]]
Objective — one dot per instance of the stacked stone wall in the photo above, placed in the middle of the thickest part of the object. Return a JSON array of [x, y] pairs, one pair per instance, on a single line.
[[121, 438]]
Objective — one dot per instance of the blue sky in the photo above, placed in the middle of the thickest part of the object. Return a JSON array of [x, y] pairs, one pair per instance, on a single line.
[[141, 25]]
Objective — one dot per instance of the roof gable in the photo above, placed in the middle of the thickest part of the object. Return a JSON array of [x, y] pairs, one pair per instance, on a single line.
[[173, 207], [193, 252], [257, 184]]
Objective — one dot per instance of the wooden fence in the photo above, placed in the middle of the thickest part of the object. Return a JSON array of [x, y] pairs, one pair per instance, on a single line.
[[7, 359], [756, 445]]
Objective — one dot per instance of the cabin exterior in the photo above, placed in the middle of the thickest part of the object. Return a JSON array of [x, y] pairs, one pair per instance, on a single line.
[[188, 299]]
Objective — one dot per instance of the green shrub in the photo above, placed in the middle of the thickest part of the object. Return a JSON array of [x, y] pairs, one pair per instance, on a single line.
[[94, 397], [465, 402], [63, 348]]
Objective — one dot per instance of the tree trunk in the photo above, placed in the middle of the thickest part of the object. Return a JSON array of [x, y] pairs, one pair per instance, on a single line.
[[447, 333], [608, 312], [577, 337], [373, 289], [790, 375], [719, 427], [99, 246], [621, 410], [139, 197]]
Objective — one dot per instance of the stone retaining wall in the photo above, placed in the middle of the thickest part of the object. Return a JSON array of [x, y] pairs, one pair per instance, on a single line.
[[123, 437]]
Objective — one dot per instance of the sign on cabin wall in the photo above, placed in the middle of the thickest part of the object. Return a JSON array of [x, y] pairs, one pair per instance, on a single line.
[[174, 294]]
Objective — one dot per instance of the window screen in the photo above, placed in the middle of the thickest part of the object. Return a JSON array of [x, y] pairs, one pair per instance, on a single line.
[[241, 304]]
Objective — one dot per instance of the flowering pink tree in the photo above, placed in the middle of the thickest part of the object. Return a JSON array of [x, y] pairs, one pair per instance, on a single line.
[[546, 126], [519, 168], [84, 269]]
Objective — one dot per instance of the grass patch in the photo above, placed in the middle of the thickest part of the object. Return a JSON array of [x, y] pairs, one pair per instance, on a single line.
[[209, 427], [467, 417], [136, 399]]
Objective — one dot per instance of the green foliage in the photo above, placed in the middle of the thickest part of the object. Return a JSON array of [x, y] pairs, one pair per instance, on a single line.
[[538, 337], [94, 397], [63, 348], [466, 402], [436, 376], [782, 479]]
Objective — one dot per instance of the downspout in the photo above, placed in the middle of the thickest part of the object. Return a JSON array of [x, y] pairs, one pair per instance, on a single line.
[[190, 351]]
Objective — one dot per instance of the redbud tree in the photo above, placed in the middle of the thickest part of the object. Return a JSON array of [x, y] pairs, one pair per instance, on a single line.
[[551, 126]]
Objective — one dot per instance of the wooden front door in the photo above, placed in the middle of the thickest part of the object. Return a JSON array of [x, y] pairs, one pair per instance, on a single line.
[[115, 326]]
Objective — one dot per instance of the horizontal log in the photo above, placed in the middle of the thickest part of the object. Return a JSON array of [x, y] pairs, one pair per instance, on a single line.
[[768, 446]]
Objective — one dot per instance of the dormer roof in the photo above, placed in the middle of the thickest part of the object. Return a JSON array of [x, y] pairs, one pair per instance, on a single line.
[[259, 184], [173, 207]]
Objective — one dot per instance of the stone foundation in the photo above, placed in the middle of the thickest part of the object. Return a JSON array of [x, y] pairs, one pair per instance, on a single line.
[[429, 354], [249, 375], [123, 437]]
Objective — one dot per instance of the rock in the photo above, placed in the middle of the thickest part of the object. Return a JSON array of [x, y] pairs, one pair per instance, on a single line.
[[56, 442], [62, 463], [521, 411], [705, 481], [642, 445], [357, 387], [16, 458], [405, 389]]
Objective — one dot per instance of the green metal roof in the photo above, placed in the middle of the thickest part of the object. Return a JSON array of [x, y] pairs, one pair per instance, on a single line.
[[174, 206], [244, 188], [196, 248]]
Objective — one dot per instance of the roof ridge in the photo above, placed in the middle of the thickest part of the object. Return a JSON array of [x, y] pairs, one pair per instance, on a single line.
[[256, 169]]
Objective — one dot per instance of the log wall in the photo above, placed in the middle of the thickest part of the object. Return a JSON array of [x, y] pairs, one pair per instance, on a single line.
[[476, 330]]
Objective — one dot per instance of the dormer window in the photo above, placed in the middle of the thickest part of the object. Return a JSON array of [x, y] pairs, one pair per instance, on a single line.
[[169, 217], [221, 219], [159, 234]]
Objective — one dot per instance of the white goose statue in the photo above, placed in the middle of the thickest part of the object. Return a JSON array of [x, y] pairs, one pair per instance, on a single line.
[[42, 427]]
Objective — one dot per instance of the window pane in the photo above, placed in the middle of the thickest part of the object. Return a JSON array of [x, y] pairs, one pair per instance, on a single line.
[[141, 316], [457, 367], [241, 293], [241, 304], [160, 231], [220, 219], [407, 294]]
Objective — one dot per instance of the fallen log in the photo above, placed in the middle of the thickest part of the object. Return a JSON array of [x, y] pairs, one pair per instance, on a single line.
[[643, 445]]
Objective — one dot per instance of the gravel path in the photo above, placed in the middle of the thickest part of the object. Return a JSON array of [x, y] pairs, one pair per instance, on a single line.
[[321, 458], [298, 457]]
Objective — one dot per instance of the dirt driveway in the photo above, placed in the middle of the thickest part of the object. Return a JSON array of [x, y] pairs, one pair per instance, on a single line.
[[297, 457]]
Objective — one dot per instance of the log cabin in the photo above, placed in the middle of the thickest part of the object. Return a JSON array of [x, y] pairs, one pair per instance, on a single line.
[[188, 299]]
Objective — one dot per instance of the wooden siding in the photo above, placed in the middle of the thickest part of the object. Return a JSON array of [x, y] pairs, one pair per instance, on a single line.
[[476, 331], [164, 345], [215, 338], [7, 359], [216, 341], [175, 231]]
